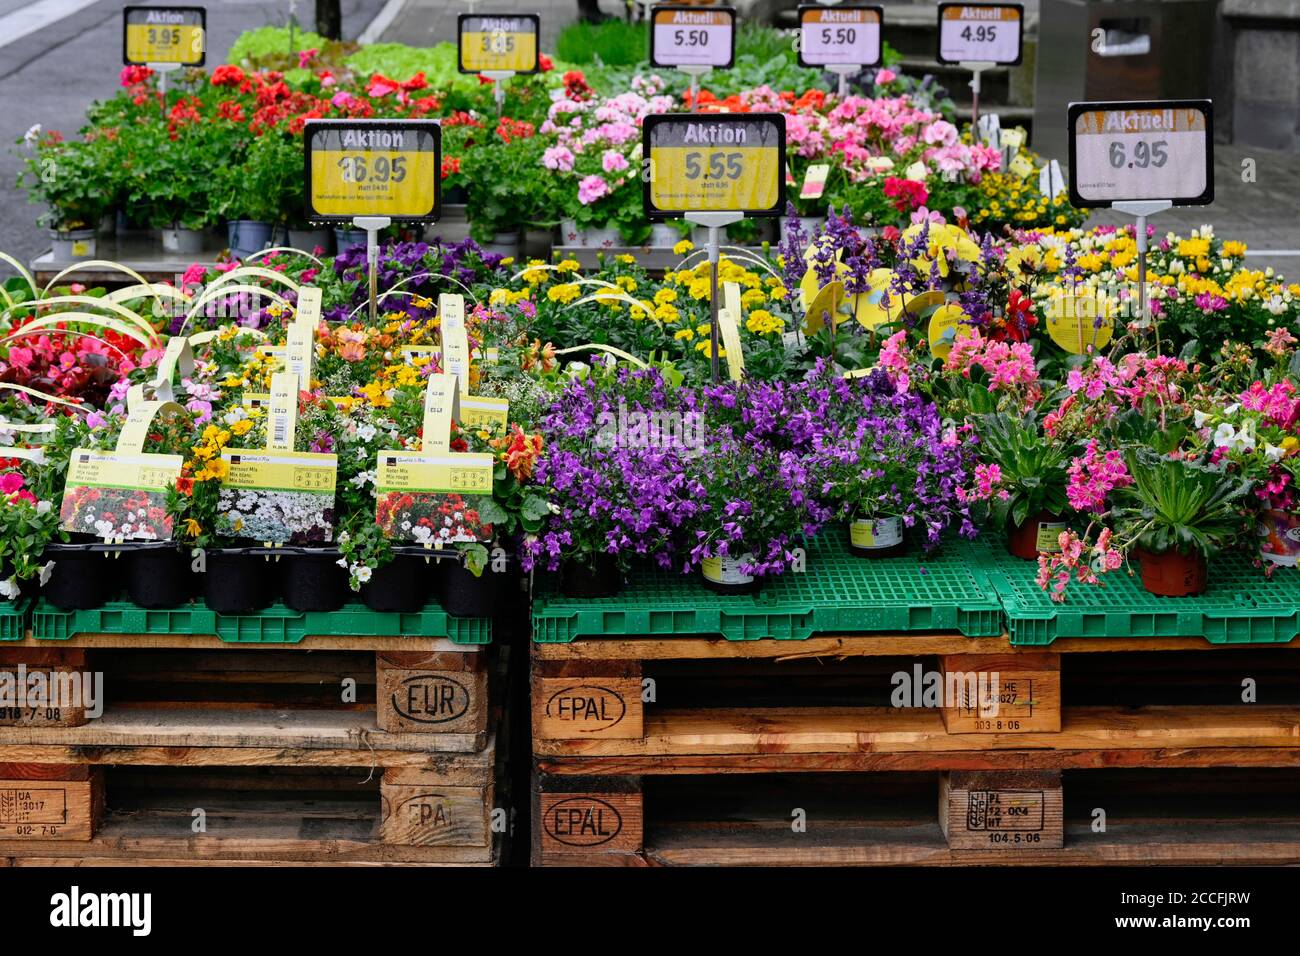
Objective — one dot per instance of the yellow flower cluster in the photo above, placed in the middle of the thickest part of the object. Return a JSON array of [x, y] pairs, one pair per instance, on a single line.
[[206, 462]]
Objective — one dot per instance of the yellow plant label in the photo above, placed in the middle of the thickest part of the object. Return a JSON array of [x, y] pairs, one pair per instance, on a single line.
[[309, 305], [282, 416], [469, 474], [441, 406], [729, 332], [164, 35], [507, 44], [1022, 166], [127, 470], [373, 168], [485, 412], [1048, 536], [281, 470], [723, 163], [455, 338]]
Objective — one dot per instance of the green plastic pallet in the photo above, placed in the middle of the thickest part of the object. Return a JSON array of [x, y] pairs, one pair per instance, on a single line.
[[276, 625], [13, 619], [1241, 606], [838, 593]]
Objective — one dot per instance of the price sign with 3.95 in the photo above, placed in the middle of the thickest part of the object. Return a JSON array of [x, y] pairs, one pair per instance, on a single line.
[[981, 32], [373, 168], [839, 36], [727, 162], [157, 35], [505, 43], [692, 36], [1142, 150]]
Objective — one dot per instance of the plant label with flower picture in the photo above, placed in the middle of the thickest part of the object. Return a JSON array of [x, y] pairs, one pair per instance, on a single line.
[[1143, 150], [722, 163], [122, 495], [498, 43], [814, 181], [280, 497], [164, 35], [369, 168], [842, 35], [425, 497], [692, 36], [981, 33]]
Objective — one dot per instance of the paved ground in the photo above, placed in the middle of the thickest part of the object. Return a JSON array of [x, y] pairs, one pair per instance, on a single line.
[[73, 57], [426, 22]]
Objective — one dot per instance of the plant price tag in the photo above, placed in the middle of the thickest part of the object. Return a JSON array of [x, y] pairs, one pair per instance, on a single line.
[[479, 412], [1125, 152], [373, 168], [843, 35], [157, 35], [692, 36], [814, 181], [308, 309], [423, 496], [725, 163], [281, 497], [981, 32], [282, 413], [119, 495], [496, 43], [441, 407]]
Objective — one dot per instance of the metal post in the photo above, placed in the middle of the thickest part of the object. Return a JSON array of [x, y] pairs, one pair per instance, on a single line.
[[714, 222], [1140, 210], [499, 78], [372, 225], [695, 72], [976, 69]]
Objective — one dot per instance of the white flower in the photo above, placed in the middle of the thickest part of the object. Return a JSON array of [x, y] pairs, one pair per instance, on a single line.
[[1272, 452], [1232, 409], [46, 571], [1199, 418], [9, 589], [367, 432], [344, 537], [1225, 434], [342, 563], [363, 574], [32, 136]]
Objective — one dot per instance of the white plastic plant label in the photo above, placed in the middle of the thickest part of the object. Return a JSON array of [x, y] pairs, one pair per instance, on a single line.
[[843, 35]]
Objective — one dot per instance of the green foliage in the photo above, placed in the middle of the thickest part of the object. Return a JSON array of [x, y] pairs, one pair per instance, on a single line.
[[1033, 467], [1178, 505], [613, 43]]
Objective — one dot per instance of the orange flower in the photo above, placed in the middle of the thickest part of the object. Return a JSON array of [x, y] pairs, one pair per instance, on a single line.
[[520, 452]]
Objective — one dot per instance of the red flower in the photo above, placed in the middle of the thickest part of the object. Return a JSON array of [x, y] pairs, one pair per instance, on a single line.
[[227, 75], [906, 193], [545, 63], [133, 75]]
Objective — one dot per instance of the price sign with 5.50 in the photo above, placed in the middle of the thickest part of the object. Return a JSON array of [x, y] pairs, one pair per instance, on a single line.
[[727, 162], [839, 36], [373, 168], [692, 36], [981, 32], [504, 43], [156, 35], [1121, 152]]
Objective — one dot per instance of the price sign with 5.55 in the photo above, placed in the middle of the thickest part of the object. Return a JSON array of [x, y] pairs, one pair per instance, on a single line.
[[981, 32], [157, 35], [692, 36], [726, 162], [839, 36], [505, 43], [1122, 152], [373, 168]]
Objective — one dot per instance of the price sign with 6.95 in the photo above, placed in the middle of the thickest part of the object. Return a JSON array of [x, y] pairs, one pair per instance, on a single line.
[[844, 35], [692, 36], [373, 168], [981, 33], [1124, 152], [727, 162], [498, 43], [154, 35]]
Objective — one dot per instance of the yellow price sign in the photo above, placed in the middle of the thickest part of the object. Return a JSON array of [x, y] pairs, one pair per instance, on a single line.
[[494, 43], [154, 35], [373, 168], [723, 163], [281, 470], [466, 474]]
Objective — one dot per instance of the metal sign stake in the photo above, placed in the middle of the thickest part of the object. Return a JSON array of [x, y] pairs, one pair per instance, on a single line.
[[499, 78], [976, 68], [843, 71], [1141, 209], [695, 72], [714, 221], [372, 225]]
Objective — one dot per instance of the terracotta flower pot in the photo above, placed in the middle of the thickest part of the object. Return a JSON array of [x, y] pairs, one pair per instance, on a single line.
[[1038, 533], [1171, 574]]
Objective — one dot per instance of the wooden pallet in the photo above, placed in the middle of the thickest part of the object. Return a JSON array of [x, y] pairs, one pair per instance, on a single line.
[[336, 755], [613, 719]]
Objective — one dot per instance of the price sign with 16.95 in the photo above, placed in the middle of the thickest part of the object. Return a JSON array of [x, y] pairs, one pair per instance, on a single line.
[[505, 43], [692, 36], [1145, 150], [981, 33], [163, 35], [727, 162], [843, 35], [373, 168]]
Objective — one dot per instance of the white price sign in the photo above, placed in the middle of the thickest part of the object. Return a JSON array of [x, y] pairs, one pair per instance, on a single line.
[[981, 32], [1122, 152], [839, 36], [692, 36]]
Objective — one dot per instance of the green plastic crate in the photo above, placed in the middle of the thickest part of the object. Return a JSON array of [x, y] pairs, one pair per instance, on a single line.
[[13, 619], [839, 593], [275, 625], [1241, 606]]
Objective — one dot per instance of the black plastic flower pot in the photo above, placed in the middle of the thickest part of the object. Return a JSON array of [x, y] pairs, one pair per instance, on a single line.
[[314, 582], [158, 578], [600, 579], [235, 583], [82, 580], [404, 585], [461, 594]]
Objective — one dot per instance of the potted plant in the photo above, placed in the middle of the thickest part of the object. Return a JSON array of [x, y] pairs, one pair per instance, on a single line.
[[507, 186], [252, 196], [27, 524], [70, 179], [1022, 474]]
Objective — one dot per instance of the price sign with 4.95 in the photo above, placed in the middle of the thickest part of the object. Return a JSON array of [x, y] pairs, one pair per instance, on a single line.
[[373, 168], [981, 32], [1121, 152], [692, 36], [839, 36], [727, 162], [505, 43], [157, 35]]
